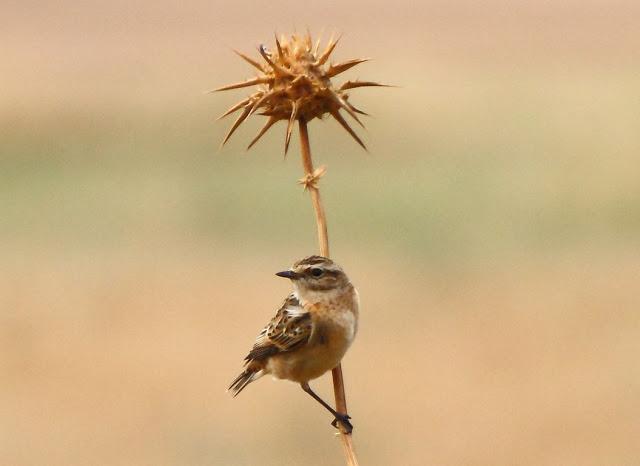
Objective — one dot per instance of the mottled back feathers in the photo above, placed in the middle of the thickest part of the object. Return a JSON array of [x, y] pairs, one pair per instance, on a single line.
[[289, 328]]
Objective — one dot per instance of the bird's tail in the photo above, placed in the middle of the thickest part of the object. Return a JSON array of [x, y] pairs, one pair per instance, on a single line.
[[245, 378]]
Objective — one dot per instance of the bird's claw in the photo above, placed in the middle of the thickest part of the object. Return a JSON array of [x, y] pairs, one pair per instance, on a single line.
[[344, 420]]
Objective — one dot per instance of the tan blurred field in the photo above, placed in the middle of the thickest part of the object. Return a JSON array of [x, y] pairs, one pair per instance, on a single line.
[[493, 232]]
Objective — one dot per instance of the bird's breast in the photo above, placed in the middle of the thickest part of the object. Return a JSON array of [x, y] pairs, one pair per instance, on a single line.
[[332, 334]]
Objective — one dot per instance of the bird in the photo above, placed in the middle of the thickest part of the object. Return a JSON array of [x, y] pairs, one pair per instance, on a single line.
[[310, 333]]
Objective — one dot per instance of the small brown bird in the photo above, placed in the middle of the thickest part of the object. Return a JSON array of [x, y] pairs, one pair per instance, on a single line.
[[311, 331]]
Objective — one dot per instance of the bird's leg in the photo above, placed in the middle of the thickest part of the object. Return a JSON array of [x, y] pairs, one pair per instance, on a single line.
[[339, 417]]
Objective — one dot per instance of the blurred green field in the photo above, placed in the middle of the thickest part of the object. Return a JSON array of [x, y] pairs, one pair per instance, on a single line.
[[493, 231]]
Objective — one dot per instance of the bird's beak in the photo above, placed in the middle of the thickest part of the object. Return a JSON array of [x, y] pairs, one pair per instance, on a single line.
[[290, 274]]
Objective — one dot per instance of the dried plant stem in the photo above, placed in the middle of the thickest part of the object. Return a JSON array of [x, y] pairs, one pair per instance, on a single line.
[[323, 240], [307, 163]]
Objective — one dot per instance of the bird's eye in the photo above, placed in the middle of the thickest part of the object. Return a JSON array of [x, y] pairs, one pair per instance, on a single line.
[[316, 272]]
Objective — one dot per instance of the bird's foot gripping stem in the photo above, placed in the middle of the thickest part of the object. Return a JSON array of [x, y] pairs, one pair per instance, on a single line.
[[344, 420]]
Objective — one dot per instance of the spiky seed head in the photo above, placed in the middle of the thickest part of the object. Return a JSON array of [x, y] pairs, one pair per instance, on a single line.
[[295, 84]]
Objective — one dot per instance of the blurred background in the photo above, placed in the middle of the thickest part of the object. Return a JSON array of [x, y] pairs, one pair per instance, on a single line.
[[493, 231]]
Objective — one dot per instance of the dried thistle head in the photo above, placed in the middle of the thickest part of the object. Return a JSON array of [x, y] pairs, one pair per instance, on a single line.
[[294, 83]]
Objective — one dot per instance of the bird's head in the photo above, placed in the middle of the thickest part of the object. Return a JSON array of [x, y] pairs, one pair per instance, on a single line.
[[316, 273]]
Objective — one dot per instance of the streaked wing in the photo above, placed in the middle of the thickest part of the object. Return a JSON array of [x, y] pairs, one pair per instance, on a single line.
[[290, 328]]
